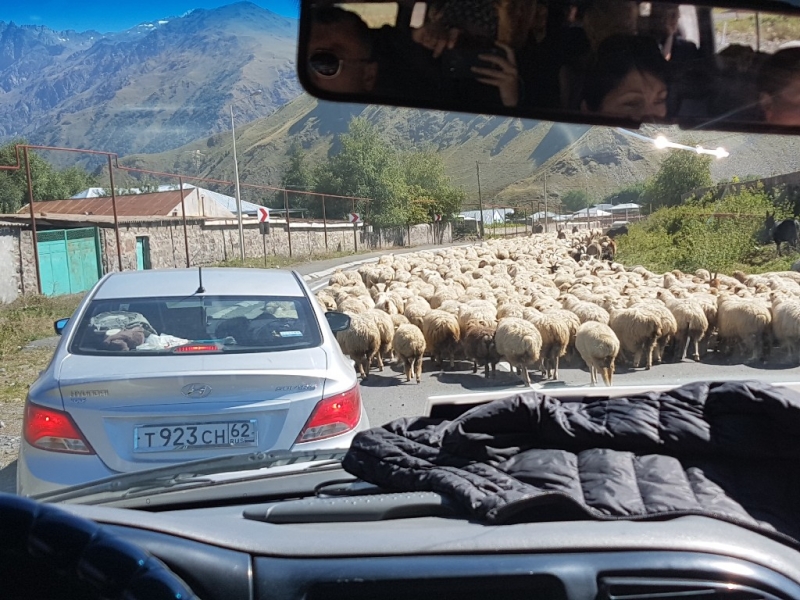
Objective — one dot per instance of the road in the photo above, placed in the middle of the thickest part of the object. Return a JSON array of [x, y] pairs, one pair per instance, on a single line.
[[388, 396]]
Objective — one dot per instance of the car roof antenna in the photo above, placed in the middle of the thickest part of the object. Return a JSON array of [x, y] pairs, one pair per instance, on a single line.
[[201, 289]]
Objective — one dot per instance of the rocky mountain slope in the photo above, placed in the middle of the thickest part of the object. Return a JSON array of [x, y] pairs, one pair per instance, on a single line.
[[148, 89]]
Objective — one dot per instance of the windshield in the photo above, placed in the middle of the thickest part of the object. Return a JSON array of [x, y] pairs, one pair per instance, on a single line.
[[174, 140], [147, 326]]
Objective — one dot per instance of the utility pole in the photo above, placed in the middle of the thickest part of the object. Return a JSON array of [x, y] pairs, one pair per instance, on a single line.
[[238, 192], [480, 200], [545, 202]]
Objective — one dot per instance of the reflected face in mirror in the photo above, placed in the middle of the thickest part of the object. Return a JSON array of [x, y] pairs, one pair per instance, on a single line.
[[339, 52], [779, 88], [628, 80], [640, 96]]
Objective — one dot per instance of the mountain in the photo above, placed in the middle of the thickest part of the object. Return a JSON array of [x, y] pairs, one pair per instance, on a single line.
[[514, 154], [148, 89], [508, 149]]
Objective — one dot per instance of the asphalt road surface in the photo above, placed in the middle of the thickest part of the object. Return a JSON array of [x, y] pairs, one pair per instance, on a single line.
[[388, 396]]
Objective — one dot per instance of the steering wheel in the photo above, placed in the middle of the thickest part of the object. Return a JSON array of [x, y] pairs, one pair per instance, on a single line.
[[83, 553]]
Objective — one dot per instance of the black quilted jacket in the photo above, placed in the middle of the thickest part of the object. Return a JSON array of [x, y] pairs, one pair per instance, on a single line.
[[725, 450]]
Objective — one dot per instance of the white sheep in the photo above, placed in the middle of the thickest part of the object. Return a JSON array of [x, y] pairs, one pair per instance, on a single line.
[[786, 323], [519, 343], [637, 330], [398, 320], [416, 310], [409, 345], [385, 326], [361, 342], [744, 323], [691, 321], [598, 346], [556, 333]]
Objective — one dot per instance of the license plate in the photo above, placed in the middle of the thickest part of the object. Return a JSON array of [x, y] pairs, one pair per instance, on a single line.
[[224, 434]]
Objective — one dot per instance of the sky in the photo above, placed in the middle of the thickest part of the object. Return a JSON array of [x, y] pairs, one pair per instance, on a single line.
[[110, 15]]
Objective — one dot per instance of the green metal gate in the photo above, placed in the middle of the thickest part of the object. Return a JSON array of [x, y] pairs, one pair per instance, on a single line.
[[69, 260]]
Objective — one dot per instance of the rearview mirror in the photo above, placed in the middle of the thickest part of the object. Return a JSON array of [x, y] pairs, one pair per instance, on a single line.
[[338, 321], [60, 325], [597, 62]]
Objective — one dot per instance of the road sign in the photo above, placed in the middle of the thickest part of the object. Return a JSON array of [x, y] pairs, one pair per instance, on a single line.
[[437, 218], [263, 214], [355, 218]]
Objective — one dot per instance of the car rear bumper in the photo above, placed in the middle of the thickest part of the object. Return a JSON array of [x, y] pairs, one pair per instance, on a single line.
[[40, 471]]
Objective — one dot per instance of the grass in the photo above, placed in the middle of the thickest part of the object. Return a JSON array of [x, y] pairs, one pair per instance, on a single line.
[[21, 322], [765, 259]]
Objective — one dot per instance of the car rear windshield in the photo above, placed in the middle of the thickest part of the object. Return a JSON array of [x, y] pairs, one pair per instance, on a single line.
[[147, 326]]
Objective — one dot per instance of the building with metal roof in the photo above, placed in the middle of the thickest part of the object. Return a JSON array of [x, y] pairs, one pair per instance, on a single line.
[[227, 202], [194, 201]]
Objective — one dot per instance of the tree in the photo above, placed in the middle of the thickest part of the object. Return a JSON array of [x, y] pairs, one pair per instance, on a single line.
[[368, 167], [429, 189], [299, 176], [48, 183], [680, 173], [575, 200]]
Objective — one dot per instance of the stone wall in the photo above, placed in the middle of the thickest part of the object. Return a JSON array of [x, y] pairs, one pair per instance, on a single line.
[[10, 281], [209, 242], [17, 265]]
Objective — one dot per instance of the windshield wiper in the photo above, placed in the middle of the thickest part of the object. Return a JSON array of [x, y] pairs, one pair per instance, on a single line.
[[189, 473]]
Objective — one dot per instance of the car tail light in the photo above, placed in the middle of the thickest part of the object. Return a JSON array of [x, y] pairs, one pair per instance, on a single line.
[[53, 430], [196, 348], [333, 415]]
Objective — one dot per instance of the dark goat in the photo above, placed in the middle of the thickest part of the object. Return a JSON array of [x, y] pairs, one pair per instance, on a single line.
[[787, 231]]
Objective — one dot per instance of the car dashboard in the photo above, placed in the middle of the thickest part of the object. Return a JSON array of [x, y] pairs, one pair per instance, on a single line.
[[253, 551]]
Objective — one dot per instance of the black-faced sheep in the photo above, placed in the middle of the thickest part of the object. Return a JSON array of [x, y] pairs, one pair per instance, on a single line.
[[480, 348]]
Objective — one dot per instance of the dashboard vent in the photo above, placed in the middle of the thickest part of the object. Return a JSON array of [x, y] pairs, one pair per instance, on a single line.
[[645, 588]]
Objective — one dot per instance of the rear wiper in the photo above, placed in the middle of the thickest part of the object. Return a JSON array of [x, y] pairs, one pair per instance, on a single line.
[[189, 473]]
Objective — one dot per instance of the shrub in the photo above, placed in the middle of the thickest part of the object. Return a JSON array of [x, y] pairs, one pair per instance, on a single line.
[[720, 235]]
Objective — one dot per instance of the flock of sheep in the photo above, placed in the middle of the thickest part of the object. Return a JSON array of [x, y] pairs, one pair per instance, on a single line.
[[538, 300]]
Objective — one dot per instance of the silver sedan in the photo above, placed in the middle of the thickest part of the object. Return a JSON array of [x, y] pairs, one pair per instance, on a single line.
[[163, 367]]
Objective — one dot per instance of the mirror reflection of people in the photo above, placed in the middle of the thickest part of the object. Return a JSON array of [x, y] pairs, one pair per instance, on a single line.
[[779, 88], [605, 18], [628, 80], [663, 25], [340, 52], [597, 20], [500, 72]]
